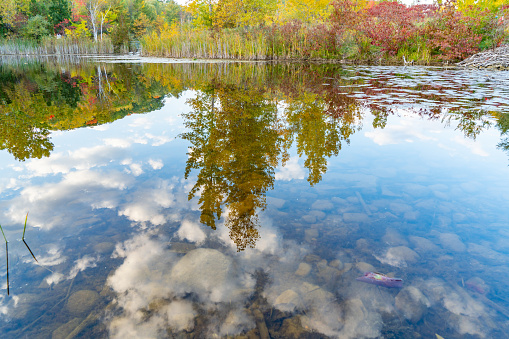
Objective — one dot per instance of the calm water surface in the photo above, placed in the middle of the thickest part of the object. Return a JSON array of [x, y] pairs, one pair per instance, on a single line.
[[213, 200]]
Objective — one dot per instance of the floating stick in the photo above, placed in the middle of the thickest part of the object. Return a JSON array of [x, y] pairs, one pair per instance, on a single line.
[[23, 238], [6, 257]]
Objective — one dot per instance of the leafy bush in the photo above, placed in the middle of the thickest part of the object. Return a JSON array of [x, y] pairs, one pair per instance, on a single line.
[[452, 35], [36, 27]]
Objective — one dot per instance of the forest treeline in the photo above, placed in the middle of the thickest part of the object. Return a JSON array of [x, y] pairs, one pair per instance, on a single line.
[[360, 30]]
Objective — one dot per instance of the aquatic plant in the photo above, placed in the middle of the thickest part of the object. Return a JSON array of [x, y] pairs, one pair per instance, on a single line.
[[7, 250], [53, 46]]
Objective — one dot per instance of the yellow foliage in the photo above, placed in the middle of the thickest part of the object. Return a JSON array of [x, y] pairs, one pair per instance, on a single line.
[[80, 31], [304, 10], [471, 7]]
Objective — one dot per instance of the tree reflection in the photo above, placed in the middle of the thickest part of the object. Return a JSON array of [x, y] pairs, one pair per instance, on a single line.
[[243, 120], [236, 145], [39, 98]]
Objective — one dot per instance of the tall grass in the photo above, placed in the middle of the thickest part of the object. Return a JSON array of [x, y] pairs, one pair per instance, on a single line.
[[54, 46], [284, 42]]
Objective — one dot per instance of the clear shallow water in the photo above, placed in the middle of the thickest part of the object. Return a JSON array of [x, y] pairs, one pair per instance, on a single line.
[[317, 174]]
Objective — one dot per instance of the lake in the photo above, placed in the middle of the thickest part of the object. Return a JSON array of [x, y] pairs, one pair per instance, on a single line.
[[192, 199]]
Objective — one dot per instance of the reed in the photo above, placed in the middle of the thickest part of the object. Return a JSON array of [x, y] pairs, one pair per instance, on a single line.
[[54, 46], [23, 238], [7, 250], [286, 42]]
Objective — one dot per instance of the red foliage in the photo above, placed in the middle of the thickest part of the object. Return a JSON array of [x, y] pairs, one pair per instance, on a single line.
[[61, 26], [390, 24], [454, 36]]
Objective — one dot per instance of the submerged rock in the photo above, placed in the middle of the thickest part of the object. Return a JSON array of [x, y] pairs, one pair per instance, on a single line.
[[287, 301], [423, 245], [452, 242], [203, 270], [303, 269], [82, 302], [399, 256], [364, 267], [337, 264], [412, 303], [64, 330]]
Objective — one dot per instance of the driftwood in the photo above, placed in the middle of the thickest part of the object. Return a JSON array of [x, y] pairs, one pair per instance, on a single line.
[[497, 58]]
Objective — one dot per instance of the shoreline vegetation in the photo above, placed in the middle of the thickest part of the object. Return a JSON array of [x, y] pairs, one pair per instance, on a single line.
[[336, 31]]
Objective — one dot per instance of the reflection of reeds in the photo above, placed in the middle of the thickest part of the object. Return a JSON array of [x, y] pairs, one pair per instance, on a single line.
[[6, 257], [23, 238], [7, 250]]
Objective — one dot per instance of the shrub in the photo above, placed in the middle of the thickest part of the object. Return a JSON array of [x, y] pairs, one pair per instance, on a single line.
[[452, 35], [36, 27]]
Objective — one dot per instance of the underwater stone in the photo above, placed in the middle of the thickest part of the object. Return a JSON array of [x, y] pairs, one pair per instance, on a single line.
[[393, 237], [364, 267], [275, 202], [322, 205], [104, 247], [402, 253], [64, 330], [318, 214], [82, 302], [182, 247], [310, 234], [423, 244], [303, 269], [315, 294], [202, 269], [412, 303], [355, 217], [309, 218], [452, 242], [287, 301], [337, 264]]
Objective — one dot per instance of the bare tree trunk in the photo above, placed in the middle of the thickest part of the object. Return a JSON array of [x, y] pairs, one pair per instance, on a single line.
[[103, 17], [93, 9]]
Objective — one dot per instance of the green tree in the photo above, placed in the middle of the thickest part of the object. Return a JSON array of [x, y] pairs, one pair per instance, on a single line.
[[59, 10], [36, 27]]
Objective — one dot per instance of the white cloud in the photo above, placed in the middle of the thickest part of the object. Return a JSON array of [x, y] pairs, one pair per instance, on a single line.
[[471, 145], [147, 204], [82, 264], [191, 231], [156, 164], [291, 170], [407, 130]]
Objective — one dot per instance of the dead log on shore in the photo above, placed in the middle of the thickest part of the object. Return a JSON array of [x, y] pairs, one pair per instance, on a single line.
[[497, 58]]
